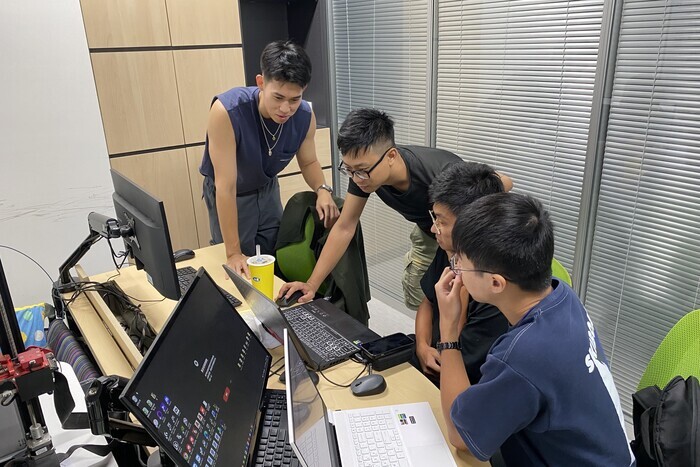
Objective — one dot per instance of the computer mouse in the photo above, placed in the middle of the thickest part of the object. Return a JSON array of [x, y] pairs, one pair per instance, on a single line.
[[182, 255], [368, 385], [283, 301]]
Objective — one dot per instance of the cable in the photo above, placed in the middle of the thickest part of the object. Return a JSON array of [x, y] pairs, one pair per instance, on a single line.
[[121, 254], [277, 371], [138, 455], [30, 258], [354, 379]]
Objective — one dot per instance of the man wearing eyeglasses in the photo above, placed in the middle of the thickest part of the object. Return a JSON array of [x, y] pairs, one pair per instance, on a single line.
[[480, 323], [546, 395], [400, 176]]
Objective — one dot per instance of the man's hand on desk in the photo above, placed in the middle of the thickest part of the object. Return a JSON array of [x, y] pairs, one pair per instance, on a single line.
[[290, 287], [429, 359], [239, 263]]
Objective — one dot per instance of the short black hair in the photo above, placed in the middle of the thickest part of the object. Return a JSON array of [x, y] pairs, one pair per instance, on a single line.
[[286, 61], [462, 183], [363, 129], [509, 234]]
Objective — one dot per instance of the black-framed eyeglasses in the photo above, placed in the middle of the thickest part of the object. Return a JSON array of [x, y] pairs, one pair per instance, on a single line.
[[459, 271], [364, 173], [435, 221]]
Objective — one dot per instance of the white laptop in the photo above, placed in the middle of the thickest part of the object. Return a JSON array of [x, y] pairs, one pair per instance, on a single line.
[[392, 435]]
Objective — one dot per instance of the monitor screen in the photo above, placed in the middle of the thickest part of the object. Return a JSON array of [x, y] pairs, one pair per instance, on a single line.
[[150, 244], [308, 426], [199, 387]]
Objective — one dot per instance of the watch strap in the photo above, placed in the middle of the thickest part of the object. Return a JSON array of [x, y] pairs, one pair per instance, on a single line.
[[328, 188], [440, 346]]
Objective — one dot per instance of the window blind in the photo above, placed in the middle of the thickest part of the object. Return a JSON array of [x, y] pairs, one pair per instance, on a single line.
[[645, 267], [381, 60], [515, 85]]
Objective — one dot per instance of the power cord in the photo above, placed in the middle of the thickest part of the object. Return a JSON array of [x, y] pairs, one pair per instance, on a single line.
[[277, 371], [30, 258], [364, 368]]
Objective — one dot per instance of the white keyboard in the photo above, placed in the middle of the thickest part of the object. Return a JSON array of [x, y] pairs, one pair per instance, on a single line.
[[376, 440]]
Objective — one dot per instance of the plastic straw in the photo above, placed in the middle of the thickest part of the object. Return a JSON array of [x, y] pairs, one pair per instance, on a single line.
[[257, 251]]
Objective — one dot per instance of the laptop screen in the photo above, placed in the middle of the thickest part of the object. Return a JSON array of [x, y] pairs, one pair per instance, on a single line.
[[198, 389], [308, 426], [264, 309]]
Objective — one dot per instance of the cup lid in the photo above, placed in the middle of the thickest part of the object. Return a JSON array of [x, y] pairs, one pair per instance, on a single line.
[[262, 260]]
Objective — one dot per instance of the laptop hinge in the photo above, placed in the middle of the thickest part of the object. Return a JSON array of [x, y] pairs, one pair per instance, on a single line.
[[333, 441]]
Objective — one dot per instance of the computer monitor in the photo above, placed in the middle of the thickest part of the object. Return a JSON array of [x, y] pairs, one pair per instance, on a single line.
[[199, 387], [150, 243]]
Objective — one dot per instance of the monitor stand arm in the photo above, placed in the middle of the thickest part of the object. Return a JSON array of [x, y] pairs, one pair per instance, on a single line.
[[100, 226], [108, 417]]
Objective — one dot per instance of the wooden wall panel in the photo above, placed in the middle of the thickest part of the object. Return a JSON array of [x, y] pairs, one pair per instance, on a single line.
[[125, 23], [138, 100], [323, 152], [295, 183], [165, 174], [201, 74], [194, 158], [203, 22]]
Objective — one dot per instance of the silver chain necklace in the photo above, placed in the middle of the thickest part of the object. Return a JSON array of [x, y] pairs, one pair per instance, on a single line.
[[277, 131], [275, 135]]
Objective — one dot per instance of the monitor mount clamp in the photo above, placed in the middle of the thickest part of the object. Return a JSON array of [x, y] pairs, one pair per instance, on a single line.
[[100, 226]]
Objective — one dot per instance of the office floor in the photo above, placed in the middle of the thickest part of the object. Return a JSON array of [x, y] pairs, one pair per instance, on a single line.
[[387, 317]]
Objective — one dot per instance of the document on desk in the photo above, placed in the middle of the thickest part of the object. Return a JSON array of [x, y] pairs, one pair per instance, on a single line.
[[65, 439]]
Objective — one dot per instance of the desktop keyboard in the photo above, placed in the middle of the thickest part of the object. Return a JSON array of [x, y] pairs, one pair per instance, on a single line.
[[273, 446], [376, 440], [185, 276], [317, 336]]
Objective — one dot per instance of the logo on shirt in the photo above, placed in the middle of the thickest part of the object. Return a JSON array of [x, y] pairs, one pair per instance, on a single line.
[[592, 355]]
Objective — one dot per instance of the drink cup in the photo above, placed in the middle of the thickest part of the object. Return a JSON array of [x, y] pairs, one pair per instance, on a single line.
[[262, 273]]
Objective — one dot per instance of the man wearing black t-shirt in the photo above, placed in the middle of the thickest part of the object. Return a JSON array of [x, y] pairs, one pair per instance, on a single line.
[[481, 323], [401, 177]]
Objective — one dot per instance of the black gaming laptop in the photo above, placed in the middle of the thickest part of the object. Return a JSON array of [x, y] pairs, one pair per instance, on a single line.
[[328, 335]]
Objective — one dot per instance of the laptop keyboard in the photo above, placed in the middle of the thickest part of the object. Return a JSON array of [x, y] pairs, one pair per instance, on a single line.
[[273, 447], [316, 336], [185, 276], [376, 439]]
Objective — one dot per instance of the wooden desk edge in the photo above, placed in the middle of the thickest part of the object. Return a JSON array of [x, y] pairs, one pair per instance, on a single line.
[[106, 352], [127, 347]]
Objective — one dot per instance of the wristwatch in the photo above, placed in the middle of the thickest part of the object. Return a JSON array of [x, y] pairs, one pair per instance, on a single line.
[[440, 346], [328, 188]]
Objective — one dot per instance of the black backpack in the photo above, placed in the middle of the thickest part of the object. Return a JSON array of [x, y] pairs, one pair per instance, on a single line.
[[667, 424]]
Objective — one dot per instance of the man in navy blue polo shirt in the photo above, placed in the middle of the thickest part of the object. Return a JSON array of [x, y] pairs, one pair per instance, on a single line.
[[546, 395]]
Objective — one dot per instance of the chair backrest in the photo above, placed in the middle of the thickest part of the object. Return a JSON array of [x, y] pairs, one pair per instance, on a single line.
[[296, 261], [677, 355], [560, 272]]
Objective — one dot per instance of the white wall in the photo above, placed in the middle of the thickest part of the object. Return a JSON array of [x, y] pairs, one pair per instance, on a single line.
[[54, 168]]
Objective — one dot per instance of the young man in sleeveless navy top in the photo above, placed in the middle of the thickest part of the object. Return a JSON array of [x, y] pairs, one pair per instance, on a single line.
[[400, 176], [252, 135], [546, 394]]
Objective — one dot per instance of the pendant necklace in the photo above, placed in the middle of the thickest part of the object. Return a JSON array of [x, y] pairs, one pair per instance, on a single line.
[[275, 136]]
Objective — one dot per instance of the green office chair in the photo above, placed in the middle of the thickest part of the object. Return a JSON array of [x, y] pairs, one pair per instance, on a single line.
[[560, 271], [296, 261], [677, 355]]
